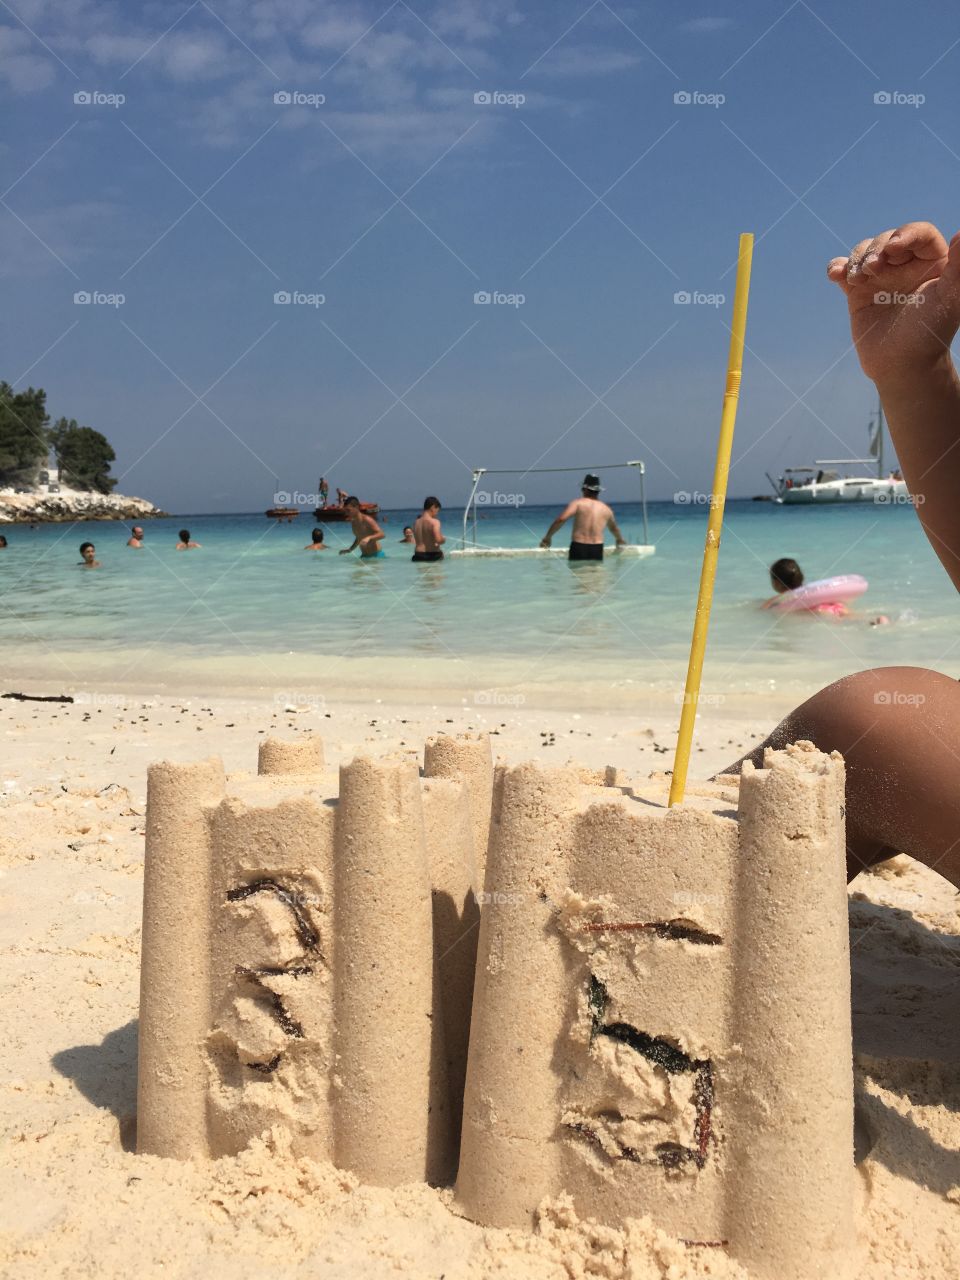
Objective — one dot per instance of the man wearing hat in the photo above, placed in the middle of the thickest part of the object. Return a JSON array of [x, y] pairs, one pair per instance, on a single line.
[[591, 519]]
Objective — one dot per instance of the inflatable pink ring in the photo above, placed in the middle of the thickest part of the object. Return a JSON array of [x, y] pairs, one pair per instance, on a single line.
[[826, 591]]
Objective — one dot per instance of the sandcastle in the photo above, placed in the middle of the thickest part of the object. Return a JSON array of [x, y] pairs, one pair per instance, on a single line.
[[660, 997]]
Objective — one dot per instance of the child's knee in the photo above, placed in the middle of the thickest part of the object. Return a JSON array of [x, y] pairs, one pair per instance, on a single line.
[[884, 699]]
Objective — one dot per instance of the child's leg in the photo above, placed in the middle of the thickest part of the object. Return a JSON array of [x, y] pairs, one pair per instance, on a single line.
[[898, 729]]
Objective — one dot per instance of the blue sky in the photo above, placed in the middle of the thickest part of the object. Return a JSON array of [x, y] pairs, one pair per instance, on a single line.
[[583, 185]]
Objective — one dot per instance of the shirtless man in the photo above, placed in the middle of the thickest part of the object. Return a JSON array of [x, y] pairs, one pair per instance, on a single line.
[[427, 535], [367, 534], [136, 537], [591, 519]]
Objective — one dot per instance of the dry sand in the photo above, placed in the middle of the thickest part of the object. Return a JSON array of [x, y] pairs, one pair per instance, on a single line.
[[77, 1200]]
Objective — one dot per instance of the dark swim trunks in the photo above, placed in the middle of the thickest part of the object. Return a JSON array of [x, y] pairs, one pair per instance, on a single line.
[[426, 557], [586, 550]]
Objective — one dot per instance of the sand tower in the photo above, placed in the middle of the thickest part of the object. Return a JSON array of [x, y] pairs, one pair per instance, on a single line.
[[305, 938], [661, 1020]]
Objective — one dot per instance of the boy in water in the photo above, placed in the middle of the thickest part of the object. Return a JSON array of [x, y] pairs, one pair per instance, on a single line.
[[367, 534], [427, 533], [88, 553], [898, 728], [318, 543], [591, 519]]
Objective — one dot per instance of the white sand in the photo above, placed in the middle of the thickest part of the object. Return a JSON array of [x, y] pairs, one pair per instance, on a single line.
[[76, 1200]]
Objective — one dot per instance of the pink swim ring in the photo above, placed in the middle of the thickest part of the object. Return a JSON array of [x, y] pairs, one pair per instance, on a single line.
[[824, 592]]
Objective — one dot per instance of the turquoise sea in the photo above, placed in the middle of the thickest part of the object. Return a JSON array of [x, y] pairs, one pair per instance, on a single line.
[[252, 610]]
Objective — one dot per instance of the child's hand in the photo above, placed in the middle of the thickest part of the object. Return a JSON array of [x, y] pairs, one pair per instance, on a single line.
[[903, 291]]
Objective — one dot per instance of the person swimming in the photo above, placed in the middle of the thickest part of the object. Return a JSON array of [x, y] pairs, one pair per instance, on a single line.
[[136, 537], [408, 536], [428, 534], [785, 576], [367, 534], [3, 543], [591, 519], [318, 543], [88, 553], [186, 543]]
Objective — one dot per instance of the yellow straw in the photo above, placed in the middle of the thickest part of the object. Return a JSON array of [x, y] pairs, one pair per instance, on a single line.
[[718, 497]]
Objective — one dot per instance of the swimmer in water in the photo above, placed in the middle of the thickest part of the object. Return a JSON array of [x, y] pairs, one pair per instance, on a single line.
[[591, 519], [408, 534], [428, 535], [89, 559], [3, 543], [186, 543], [367, 534], [318, 543], [136, 537], [786, 575]]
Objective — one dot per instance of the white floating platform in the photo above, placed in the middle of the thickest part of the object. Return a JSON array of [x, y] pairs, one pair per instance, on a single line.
[[634, 549]]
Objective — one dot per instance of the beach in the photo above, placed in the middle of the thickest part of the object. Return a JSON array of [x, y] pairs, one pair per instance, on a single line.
[[79, 1201]]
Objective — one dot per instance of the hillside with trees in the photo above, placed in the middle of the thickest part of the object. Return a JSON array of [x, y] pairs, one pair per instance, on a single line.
[[26, 440]]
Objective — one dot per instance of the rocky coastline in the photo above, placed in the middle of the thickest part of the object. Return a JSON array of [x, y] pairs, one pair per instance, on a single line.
[[71, 505]]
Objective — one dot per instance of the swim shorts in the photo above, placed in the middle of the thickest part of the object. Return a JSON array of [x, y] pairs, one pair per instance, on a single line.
[[586, 550], [426, 557]]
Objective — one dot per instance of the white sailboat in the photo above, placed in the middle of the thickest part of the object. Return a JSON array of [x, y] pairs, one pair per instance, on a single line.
[[824, 483]]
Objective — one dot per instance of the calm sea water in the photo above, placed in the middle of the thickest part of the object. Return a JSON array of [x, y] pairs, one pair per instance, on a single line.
[[252, 607]]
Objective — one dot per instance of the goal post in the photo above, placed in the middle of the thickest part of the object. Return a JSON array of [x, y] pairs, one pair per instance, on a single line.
[[470, 510]]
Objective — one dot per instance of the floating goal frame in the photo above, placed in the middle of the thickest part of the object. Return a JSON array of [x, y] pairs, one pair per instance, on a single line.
[[480, 472]]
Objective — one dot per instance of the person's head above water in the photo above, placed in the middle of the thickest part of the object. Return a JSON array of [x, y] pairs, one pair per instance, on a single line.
[[3, 542], [137, 531], [317, 535], [184, 535], [591, 487], [431, 504], [88, 552], [785, 575]]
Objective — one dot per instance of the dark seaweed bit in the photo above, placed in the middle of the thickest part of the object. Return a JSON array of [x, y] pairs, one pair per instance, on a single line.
[[674, 930], [305, 931], [265, 1068], [288, 1025], [674, 1061]]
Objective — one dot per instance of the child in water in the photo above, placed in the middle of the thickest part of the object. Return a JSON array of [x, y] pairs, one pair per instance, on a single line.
[[786, 575], [318, 543], [898, 728]]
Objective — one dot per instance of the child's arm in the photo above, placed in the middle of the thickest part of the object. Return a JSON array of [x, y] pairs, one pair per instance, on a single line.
[[903, 291]]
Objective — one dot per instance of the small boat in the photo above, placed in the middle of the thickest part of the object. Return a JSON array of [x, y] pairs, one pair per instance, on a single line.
[[340, 515], [822, 484], [282, 513]]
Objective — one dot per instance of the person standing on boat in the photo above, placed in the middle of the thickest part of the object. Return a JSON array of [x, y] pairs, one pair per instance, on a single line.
[[427, 534], [367, 534], [591, 519]]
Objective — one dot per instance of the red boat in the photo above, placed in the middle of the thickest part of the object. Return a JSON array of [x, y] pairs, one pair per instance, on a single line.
[[339, 515]]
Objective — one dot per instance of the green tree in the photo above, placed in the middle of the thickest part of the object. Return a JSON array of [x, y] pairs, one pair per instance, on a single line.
[[24, 440], [83, 456]]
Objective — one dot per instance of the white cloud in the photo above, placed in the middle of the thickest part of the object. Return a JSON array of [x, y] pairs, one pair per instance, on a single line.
[[585, 60]]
